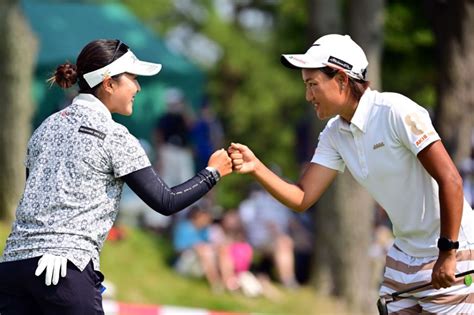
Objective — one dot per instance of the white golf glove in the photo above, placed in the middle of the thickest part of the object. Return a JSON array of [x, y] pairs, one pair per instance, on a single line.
[[54, 266]]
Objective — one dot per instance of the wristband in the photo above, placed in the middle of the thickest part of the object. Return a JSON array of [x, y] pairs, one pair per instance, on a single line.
[[445, 244]]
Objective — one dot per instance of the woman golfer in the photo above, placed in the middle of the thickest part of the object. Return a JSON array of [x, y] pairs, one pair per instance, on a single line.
[[77, 162], [389, 145]]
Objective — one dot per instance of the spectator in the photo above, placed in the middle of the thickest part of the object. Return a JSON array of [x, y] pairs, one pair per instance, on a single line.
[[172, 136], [234, 252], [196, 255], [266, 224], [302, 233], [207, 134]]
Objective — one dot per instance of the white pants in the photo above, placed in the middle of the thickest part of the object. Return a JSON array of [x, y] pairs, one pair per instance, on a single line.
[[403, 271]]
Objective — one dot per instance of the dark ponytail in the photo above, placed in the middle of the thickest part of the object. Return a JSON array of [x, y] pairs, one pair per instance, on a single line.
[[65, 75]]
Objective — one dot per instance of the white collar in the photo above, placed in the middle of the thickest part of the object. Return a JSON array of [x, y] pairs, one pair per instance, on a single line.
[[361, 114], [91, 102]]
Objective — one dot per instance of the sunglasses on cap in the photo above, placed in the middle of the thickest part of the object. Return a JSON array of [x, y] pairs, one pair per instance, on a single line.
[[119, 44]]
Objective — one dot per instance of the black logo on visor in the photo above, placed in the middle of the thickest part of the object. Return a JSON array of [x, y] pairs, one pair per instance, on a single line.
[[340, 63]]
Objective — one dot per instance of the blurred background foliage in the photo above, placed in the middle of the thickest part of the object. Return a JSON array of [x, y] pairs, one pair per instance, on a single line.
[[408, 60]]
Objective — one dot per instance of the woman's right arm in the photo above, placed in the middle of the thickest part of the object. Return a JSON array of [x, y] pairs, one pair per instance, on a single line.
[[300, 196], [167, 201]]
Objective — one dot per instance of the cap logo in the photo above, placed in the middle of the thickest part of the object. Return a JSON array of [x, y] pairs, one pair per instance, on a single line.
[[340, 63], [106, 74], [297, 59]]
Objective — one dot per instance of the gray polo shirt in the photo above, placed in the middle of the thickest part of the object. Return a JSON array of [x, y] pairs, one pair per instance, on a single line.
[[75, 160]]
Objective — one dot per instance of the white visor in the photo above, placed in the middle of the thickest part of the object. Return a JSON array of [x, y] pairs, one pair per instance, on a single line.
[[128, 62]]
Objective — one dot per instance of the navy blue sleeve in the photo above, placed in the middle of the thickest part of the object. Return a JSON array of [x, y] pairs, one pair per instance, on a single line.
[[163, 199]]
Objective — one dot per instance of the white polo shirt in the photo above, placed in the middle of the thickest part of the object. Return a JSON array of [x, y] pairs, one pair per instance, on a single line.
[[380, 147]]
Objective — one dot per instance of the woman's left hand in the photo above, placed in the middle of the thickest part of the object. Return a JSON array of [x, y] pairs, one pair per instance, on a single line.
[[55, 266]]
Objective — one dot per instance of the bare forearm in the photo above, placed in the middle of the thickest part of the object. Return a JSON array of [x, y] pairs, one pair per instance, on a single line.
[[299, 197], [287, 193], [451, 204], [438, 164]]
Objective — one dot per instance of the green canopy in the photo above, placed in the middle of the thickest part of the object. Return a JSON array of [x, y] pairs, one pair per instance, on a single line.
[[63, 28]]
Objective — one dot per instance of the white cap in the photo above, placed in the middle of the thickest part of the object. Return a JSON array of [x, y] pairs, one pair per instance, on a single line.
[[128, 62], [334, 50]]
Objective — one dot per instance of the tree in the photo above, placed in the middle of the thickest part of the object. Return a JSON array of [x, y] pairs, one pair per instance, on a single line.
[[366, 25], [453, 22], [366, 22], [345, 214], [17, 54]]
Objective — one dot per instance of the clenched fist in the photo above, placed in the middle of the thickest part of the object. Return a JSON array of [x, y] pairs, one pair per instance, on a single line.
[[243, 159], [221, 161]]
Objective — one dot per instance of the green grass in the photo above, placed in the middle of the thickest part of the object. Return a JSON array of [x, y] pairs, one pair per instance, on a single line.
[[137, 267]]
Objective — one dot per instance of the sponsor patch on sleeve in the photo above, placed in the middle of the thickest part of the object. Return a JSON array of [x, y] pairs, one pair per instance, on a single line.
[[92, 132], [415, 123], [423, 138]]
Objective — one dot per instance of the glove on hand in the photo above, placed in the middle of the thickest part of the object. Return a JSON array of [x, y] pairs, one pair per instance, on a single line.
[[54, 265]]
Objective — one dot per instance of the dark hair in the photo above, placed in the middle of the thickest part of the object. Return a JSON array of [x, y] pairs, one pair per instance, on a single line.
[[194, 211], [93, 56], [356, 87]]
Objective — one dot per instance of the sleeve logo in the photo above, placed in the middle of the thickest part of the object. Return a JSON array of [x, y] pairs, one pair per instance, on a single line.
[[416, 124], [92, 132]]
